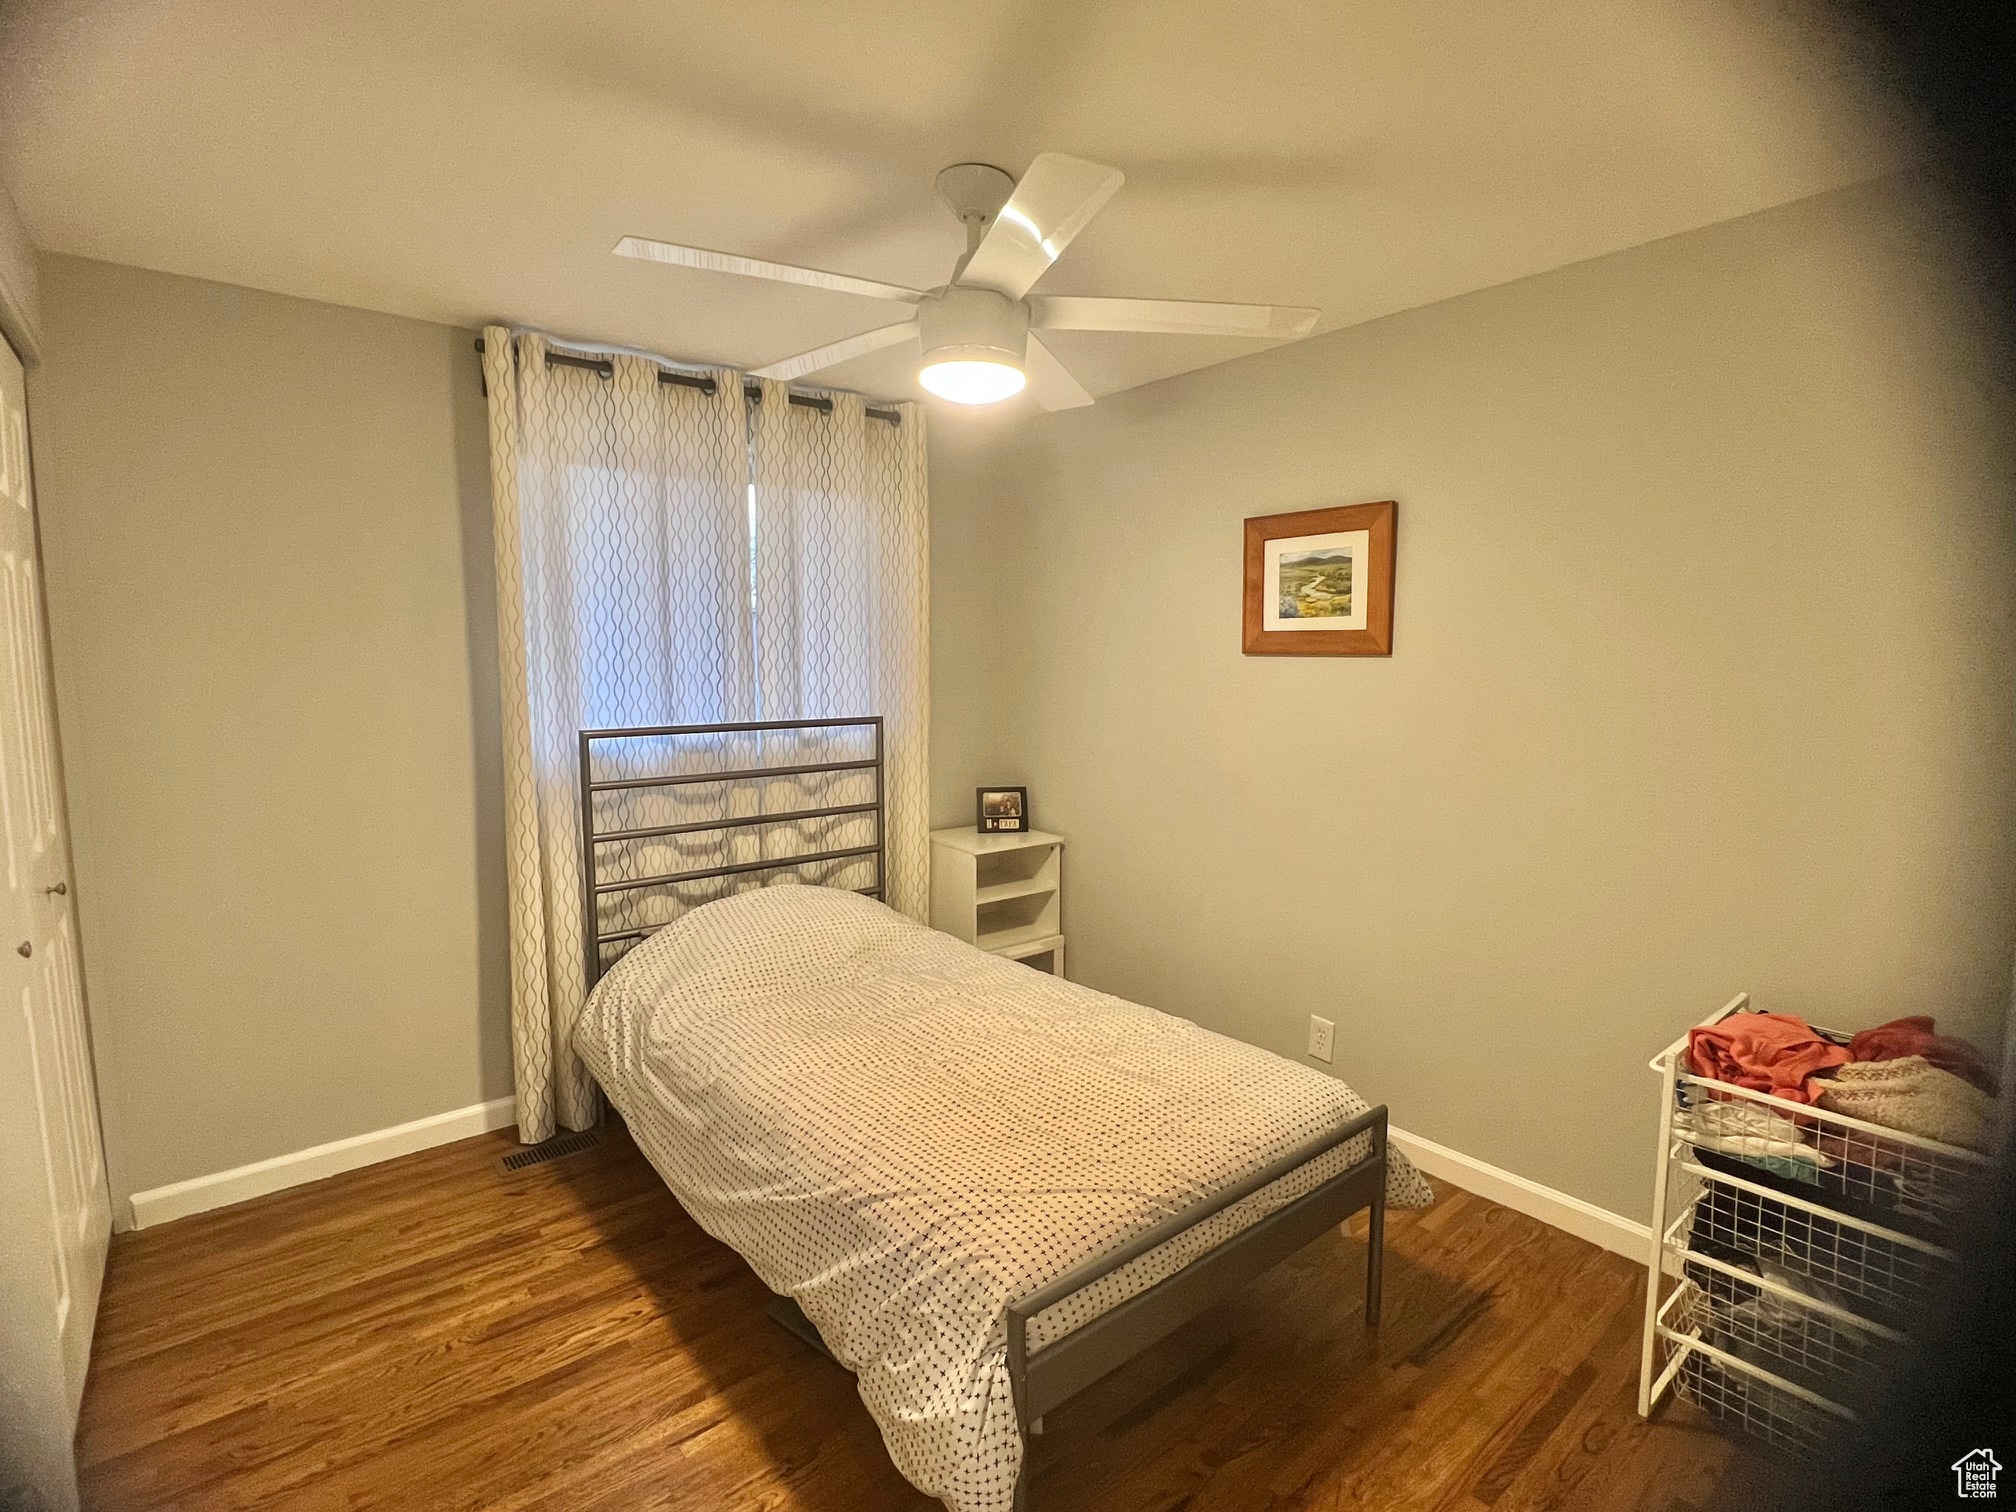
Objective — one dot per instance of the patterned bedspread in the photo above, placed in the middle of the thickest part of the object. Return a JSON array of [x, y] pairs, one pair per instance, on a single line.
[[904, 1134]]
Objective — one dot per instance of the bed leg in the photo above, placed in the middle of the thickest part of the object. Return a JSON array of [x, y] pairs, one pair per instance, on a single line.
[[1016, 1357], [1375, 1259]]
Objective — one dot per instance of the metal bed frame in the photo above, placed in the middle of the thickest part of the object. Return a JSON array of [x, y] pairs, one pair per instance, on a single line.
[[1104, 1366], [593, 887]]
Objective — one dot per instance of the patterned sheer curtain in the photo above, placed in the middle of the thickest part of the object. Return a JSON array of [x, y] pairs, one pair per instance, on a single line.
[[621, 521], [669, 556], [839, 507]]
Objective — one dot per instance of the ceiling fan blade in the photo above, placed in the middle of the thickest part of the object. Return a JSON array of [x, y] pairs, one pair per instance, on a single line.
[[838, 352], [1051, 204], [1173, 317], [1052, 386], [754, 267]]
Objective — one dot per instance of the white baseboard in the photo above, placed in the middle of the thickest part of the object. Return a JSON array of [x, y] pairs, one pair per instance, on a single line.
[[1584, 1220], [201, 1193]]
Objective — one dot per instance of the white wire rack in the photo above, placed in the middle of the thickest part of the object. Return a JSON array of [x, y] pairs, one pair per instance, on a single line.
[[1794, 1245]]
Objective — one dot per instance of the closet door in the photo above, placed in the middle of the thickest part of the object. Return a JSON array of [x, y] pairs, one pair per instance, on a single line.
[[41, 983]]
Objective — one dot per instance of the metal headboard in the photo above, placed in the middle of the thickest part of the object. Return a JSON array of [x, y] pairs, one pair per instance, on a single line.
[[594, 885]]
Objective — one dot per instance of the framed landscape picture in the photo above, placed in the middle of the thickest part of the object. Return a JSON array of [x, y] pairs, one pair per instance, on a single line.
[[1319, 582]]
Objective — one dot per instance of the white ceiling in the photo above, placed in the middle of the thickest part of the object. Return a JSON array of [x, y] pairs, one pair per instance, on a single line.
[[474, 160]]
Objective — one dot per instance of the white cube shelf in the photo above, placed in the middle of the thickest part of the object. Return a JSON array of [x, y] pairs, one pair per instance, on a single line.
[[1002, 892]]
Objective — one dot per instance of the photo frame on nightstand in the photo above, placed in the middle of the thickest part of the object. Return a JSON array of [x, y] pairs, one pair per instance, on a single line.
[[1001, 810]]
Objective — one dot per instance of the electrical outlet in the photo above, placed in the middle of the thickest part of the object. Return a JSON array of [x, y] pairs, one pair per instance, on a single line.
[[1322, 1034]]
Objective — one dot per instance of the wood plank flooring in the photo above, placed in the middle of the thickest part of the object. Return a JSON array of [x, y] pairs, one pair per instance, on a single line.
[[432, 1334]]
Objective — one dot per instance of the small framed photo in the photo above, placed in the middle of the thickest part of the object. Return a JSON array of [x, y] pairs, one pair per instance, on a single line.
[[1319, 582], [1001, 810]]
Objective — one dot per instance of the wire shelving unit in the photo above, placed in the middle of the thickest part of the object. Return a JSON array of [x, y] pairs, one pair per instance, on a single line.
[[1793, 1249]]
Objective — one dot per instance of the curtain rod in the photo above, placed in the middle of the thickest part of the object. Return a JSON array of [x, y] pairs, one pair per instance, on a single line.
[[705, 384]]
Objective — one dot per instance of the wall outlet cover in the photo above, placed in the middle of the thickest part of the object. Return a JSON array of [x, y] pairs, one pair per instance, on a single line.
[[1322, 1038]]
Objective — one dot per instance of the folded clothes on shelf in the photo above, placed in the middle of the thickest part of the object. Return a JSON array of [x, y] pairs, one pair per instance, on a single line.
[[1911, 1204], [1862, 1271], [1714, 1232], [1749, 1236], [1753, 1133], [1914, 1096], [1905, 1037], [1796, 1342], [1901, 1075], [1777, 1053]]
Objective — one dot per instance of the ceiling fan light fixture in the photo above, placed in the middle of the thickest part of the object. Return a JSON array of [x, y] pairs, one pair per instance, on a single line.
[[975, 342], [967, 380], [974, 333]]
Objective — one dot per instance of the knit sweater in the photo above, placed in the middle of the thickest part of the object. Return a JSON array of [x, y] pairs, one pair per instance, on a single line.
[[1914, 1096]]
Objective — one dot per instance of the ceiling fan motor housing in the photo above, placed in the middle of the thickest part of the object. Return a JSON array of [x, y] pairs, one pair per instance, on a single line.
[[972, 325]]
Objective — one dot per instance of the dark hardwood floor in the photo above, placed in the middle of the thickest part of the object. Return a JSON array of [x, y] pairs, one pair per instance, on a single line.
[[432, 1334]]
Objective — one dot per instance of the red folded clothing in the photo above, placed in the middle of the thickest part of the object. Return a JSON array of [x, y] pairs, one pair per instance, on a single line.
[[1776, 1053], [1914, 1036]]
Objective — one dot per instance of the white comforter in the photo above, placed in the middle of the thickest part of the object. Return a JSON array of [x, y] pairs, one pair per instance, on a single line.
[[904, 1134]]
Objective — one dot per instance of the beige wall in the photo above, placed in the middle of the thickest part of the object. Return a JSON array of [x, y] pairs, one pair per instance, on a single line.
[[1701, 680], [976, 676], [266, 533]]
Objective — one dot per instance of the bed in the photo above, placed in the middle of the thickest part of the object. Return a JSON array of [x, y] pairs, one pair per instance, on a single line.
[[981, 1188]]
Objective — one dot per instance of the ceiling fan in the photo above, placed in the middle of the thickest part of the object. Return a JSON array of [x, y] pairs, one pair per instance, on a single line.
[[976, 331]]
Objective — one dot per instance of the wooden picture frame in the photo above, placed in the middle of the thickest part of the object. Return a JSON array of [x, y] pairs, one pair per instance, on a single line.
[[1314, 569]]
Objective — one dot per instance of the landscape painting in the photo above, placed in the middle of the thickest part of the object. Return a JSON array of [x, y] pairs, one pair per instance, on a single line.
[[1318, 582], [1314, 584]]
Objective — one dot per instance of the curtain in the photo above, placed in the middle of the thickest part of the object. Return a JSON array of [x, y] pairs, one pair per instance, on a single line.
[[838, 506], [668, 556], [621, 520]]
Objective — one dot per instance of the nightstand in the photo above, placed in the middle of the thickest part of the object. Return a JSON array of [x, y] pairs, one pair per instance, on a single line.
[[1004, 893]]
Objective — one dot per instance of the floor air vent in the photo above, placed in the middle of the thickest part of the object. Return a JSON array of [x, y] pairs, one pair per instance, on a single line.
[[552, 1149]]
